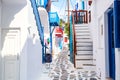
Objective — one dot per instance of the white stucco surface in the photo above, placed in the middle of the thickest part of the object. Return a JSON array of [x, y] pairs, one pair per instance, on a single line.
[[20, 15], [99, 34], [0, 57], [44, 19]]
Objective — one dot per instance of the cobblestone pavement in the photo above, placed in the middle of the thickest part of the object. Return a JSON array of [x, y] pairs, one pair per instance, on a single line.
[[62, 69]]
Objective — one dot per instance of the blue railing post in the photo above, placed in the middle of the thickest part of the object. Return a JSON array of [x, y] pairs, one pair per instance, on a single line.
[[71, 42], [50, 40]]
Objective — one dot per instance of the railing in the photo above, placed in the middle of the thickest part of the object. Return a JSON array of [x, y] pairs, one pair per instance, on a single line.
[[71, 41], [74, 40], [54, 19], [80, 16], [39, 27], [42, 3]]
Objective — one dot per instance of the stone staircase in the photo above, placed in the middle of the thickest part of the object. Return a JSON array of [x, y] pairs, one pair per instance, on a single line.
[[84, 46]]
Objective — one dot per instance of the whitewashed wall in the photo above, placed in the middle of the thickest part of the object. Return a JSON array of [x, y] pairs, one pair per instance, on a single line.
[[14, 16], [21, 16], [99, 7], [0, 11], [34, 49], [0, 41]]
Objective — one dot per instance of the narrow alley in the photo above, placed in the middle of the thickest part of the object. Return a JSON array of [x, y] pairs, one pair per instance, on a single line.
[[62, 69], [59, 39]]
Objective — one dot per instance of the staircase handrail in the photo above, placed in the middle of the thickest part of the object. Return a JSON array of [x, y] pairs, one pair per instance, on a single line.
[[39, 27], [74, 39], [80, 16]]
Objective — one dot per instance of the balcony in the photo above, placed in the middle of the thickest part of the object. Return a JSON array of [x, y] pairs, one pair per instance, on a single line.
[[54, 19], [42, 3], [80, 16]]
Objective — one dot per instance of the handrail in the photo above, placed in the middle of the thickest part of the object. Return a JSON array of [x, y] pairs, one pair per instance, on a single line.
[[80, 16], [71, 41], [74, 39], [39, 26]]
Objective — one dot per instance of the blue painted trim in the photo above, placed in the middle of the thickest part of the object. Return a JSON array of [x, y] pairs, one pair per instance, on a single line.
[[83, 5], [39, 26], [111, 45], [54, 19], [42, 3], [71, 42], [53, 30], [117, 23]]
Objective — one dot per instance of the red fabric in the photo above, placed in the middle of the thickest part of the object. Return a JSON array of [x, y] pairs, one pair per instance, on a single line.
[[58, 32], [65, 39]]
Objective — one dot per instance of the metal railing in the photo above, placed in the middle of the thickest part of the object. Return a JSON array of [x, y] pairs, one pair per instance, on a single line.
[[39, 27], [80, 16], [42, 3], [54, 19], [77, 17], [71, 41]]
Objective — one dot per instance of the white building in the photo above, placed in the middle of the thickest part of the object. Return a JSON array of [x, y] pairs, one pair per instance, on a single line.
[[20, 45], [103, 29]]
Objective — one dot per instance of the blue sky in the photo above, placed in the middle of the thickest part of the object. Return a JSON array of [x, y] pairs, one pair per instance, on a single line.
[[61, 6]]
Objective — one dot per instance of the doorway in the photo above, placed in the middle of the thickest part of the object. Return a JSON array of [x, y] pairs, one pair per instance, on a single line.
[[111, 44], [10, 47]]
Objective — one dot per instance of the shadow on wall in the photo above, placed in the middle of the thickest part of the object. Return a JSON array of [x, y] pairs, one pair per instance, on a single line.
[[7, 15], [34, 59], [10, 64], [9, 12], [28, 65], [30, 58]]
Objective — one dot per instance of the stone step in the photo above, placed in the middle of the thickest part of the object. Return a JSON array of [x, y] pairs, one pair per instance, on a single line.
[[85, 70], [84, 48], [81, 28], [86, 25], [80, 62], [85, 36], [84, 52], [84, 40], [84, 57], [90, 66], [77, 34], [84, 44], [82, 31]]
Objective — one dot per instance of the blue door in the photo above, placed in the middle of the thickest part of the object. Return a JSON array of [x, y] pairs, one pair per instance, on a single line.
[[111, 44]]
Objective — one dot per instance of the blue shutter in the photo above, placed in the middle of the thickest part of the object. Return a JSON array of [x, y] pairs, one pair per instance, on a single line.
[[76, 6], [117, 23], [83, 5]]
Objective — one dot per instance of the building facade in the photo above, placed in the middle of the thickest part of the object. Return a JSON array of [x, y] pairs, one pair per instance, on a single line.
[[20, 44], [105, 35]]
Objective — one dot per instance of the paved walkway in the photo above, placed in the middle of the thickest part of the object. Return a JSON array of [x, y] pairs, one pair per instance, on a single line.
[[62, 69]]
